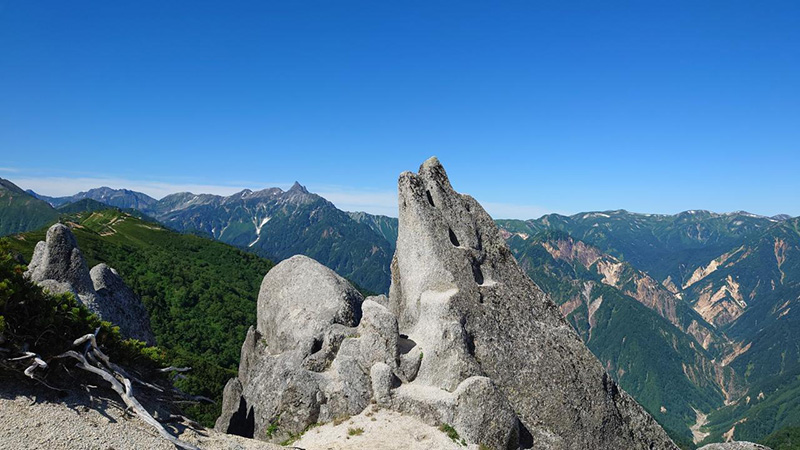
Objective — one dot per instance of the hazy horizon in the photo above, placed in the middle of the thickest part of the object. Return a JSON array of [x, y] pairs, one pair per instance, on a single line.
[[381, 203]]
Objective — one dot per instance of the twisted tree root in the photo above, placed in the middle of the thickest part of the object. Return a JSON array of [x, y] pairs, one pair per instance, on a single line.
[[37, 362], [93, 361]]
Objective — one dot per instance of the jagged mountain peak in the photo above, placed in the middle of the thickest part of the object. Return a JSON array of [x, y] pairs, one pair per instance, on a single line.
[[279, 224], [297, 187]]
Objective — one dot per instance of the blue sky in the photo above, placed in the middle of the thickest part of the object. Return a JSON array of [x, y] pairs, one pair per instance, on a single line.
[[533, 107]]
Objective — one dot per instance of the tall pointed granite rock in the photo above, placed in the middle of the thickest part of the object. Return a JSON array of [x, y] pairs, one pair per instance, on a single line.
[[460, 295], [58, 266], [59, 260], [465, 339]]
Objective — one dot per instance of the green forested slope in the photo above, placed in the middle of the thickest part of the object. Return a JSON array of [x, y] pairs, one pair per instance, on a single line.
[[200, 294], [20, 211], [664, 369], [383, 225], [768, 407], [784, 439], [661, 245]]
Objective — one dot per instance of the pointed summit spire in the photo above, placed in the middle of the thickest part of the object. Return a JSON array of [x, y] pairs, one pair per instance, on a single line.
[[297, 187]]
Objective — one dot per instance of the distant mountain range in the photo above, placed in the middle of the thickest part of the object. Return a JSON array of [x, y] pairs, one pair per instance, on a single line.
[[120, 198], [278, 225], [272, 223], [739, 273], [694, 313]]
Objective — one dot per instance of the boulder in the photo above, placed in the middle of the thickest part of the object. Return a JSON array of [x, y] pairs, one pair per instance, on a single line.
[[299, 299], [465, 339], [58, 266], [58, 258], [458, 292], [742, 445], [118, 304]]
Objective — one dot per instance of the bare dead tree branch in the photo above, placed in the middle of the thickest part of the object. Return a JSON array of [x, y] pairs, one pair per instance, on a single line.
[[174, 369], [125, 390], [94, 361]]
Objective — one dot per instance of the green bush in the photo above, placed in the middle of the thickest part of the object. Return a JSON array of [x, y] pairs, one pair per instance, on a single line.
[[47, 324]]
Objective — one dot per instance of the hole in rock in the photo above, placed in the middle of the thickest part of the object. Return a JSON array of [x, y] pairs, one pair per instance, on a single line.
[[477, 273], [480, 297], [525, 436], [453, 238], [316, 346], [479, 239], [469, 339], [470, 344], [243, 421], [404, 344], [430, 199]]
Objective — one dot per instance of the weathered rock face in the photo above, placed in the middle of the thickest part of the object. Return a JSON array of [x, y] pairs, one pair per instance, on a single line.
[[465, 338], [58, 258], [452, 271], [301, 298], [309, 359], [118, 304], [734, 446], [58, 266]]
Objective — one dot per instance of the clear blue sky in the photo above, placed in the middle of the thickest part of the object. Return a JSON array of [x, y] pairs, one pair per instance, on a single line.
[[532, 106]]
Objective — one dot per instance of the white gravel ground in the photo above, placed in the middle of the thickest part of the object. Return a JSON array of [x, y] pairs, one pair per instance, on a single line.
[[382, 430], [37, 419], [33, 418]]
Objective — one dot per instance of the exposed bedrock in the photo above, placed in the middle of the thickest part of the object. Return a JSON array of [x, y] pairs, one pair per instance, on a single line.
[[465, 339], [58, 266]]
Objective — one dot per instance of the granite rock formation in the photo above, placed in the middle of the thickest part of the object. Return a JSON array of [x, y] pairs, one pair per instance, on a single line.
[[465, 338], [58, 266], [734, 446]]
